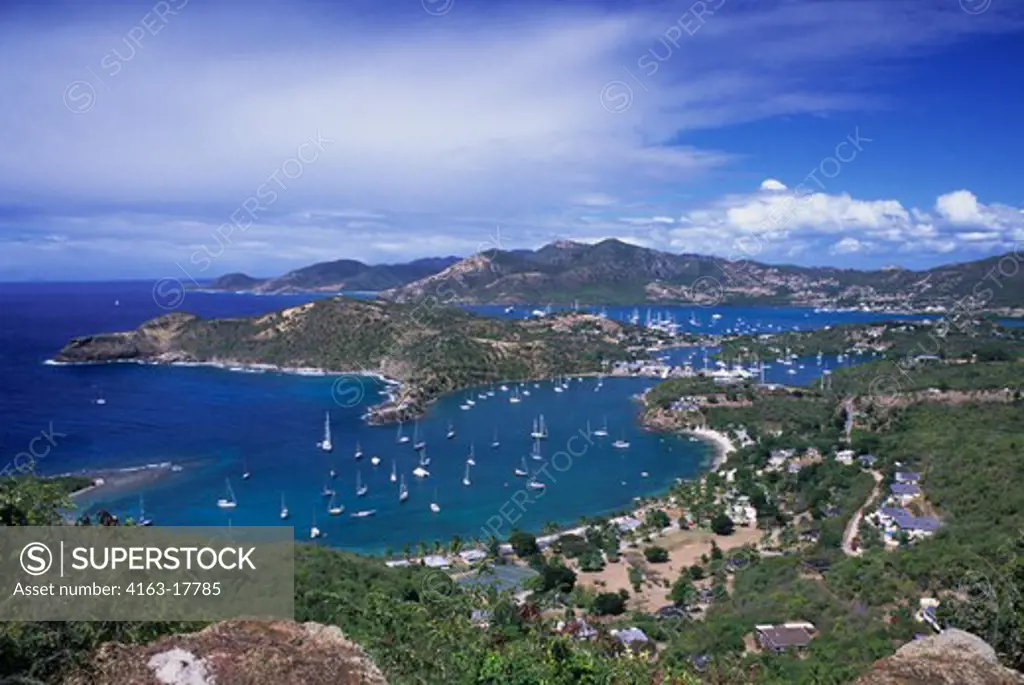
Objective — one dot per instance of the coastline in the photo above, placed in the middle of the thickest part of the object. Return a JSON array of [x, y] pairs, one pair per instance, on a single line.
[[721, 442], [123, 480]]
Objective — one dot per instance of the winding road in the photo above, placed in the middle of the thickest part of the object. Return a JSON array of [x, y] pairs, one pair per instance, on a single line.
[[854, 525]]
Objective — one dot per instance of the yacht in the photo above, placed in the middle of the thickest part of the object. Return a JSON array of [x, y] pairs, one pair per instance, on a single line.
[[471, 459], [465, 478], [495, 444], [522, 470], [400, 438], [326, 445], [245, 471], [284, 509], [228, 502], [394, 472], [514, 397], [603, 431], [621, 443], [535, 484], [403, 491], [334, 509], [314, 532], [434, 506], [451, 431], [360, 488], [327, 491], [359, 452], [535, 454], [364, 513], [417, 444], [375, 460], [332, 473], [540, 429]]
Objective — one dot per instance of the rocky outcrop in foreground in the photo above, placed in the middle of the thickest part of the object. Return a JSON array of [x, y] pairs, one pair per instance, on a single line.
[[237, 653], [952, 658]]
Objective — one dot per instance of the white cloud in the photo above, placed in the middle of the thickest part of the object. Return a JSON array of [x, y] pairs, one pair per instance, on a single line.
[[772, 184]]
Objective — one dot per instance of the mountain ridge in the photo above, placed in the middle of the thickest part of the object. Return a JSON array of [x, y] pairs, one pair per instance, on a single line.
[[336, 275]]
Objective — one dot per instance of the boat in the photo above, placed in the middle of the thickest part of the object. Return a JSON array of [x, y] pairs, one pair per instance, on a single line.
[[228, 502], [417, 444], [621, 443], [602, 432], [465, 478], [403, 491], [143, 521], [326, 445], [359, 452], [364, 513], [314, 532], [504, 388], [540, 429], [360, 488], [284, 509], [375, 460], [470, 401], [535, 454], [334, 509], [100, 400], [522, 470], [434, 506], [535, 484], [328, 491], [333, 473], [558, 386], [424, 459], [514, 397], [394, 472], [471, 459], [495, 443], [451, 431], [245, 471], [400, 438]]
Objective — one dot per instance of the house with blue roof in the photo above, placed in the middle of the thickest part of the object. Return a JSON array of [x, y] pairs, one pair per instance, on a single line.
[[908, 477], [904, 492]]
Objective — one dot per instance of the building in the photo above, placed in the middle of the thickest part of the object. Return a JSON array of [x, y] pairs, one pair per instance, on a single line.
[[436, 561], [471, 556], [867, 460], [845, 457], [577, 628], [904, 492], [482, 617], [894, 520], [781, 638], [926, 613], [908, 477]]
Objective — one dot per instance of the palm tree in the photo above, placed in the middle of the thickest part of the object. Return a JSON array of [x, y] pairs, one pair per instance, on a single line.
[[455, 546], [407, 550]]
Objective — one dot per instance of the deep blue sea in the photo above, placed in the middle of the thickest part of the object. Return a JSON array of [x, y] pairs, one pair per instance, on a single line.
[[216, 424]]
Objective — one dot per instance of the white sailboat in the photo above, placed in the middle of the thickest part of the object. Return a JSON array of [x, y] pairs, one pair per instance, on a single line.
[[401, 439], [403, 491], [514, 397], [417, 444], [364, 513], [334, 509], [421, 469], [522, 470], [326, 445], [228, 502], [434, 506], [471, 459], [535, 454], [314, 532], [245, 470], [360, 488], [375, 460], [621, 443], [359, 451], [602, 432], [284, 509], [535, 484], [333, 473], [540, 429], [394, 472], [143, 521], [465, 478], [328, 491], [451, 431], [495, 443]]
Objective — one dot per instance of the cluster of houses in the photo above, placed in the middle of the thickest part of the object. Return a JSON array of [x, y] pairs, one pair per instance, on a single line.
[[895, 521]]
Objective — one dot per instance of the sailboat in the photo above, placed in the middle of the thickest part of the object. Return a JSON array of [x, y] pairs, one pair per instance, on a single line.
[[314, 532], [228, 502], [540, 429], [451, 431], [522, 470], [375, 460], [536, 455], [333, 473], [100, 400], [360, 488], [359, 452], [465, 478], [621, 443], [558, 385], [245, 471], [143, 521], [328, 491], [284, 509], [326, 445], [602, 432], [364, 513], [495, 443], [514, 397], [421, 469], [403, 491], [394, 472], [334, 509], [401, 439], [471, 459], [434, 506], [535, 484], [417, 444]]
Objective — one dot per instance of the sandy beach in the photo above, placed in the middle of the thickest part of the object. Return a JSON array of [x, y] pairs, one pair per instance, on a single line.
[[114, 482], [722, 443]]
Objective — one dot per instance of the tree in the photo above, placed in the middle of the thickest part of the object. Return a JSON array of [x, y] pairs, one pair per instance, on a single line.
[[609, 603], [656, 555], [683, 592], [523, 544], [556, 576], [722, 525], [636, 578], [657, 519], [697, 572], [591, 561], [716, 551]]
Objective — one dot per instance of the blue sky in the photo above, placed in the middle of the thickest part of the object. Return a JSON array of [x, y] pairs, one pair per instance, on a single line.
[[145, 139]]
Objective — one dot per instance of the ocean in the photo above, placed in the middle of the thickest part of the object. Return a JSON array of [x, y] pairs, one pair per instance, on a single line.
[[216, 424]]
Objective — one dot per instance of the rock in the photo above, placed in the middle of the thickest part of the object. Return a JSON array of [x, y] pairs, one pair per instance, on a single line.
[[953, 657], [243, 652]]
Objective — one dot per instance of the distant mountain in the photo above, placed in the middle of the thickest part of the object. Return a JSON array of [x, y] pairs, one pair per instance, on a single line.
[[342, 274], [612, 272]]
